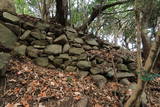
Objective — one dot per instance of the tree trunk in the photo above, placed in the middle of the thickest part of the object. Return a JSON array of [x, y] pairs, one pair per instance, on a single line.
[[152, 55], [61, 11]]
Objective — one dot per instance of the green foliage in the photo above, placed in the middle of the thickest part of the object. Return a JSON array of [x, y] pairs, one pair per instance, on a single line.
[[22, 7], [145, 76]]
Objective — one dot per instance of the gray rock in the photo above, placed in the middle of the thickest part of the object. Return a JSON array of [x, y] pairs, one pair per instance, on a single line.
[[39, 42], [64, 56], [70, 29], [83, 102], [83, 56], [96, 70], [28, 25], [25, 35], [84, 65], [10, 17], [92, 42], [122, 67], [108, 69], [124, 75], [74, 58], [32, 52], [71, 69], [38, 35], [4, 59], [110, 74], [62, 39], [71, 33], [51, 66], [76, 45], [51, 57], [79, 40], [128, 59], [133, 86], [41, 61], [83, 74], [100, 80], [99, 60], [74, 63], [15, 28], [57, 62], [95, 47], [67, 63], [39, 46], [49, 39], [87, 47], [120, 75], [20, 50], [53, 49], [76, 51], [8, 38], [118, 60], [132, 66], [66, 48], [42, 26], [125, 81]]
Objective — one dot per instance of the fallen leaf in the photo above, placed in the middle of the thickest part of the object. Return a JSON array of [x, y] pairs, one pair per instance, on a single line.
[[42, 94], [9, 105], [97, 105], [24, 103]]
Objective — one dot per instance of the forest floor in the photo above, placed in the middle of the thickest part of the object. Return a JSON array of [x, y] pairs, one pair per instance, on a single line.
[[29, 85]]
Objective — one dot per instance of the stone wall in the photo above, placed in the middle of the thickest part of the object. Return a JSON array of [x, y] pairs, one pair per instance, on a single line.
[[53, 46]]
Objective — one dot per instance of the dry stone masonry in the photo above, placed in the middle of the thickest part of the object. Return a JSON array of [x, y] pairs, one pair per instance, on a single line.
[[53, 46]]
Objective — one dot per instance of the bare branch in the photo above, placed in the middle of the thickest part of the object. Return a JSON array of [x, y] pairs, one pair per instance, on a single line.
[[97, 11]]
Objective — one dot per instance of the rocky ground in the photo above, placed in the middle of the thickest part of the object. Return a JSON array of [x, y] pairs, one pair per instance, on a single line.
[[29, 85]]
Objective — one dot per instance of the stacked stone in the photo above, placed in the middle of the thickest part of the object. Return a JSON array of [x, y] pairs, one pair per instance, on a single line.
[[53, 46]]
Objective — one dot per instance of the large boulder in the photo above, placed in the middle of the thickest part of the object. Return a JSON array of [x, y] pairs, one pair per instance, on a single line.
[[76, 51], [4, 58], [53, 49], [8, 38], [84, 65]]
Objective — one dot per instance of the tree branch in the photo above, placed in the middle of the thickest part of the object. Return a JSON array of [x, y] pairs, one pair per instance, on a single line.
[[97, 11]]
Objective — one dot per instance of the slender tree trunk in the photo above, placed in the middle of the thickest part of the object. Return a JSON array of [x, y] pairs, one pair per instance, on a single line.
[[61, 11], [152, 56]]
